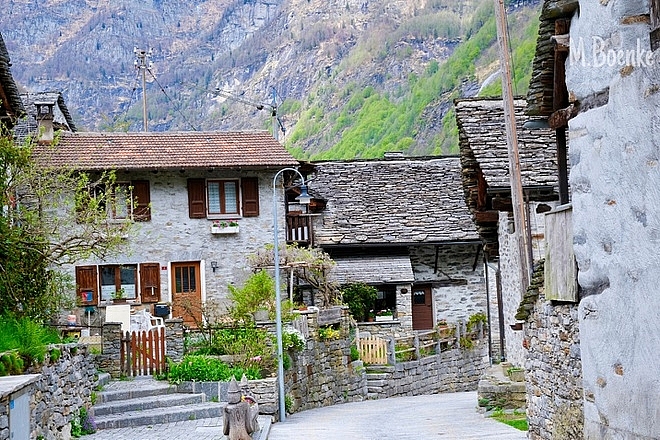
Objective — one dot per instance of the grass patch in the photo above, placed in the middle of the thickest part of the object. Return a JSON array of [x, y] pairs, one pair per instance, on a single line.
[[517, 419]]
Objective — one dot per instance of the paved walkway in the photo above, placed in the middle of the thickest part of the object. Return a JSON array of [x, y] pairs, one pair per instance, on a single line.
[[439, 416]]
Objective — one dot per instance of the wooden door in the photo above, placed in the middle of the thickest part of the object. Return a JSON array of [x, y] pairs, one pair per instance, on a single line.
[[187, 293], [422, 308]]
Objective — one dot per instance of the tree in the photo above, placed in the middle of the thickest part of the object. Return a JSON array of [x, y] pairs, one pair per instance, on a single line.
[[312, 265], [50, 216]]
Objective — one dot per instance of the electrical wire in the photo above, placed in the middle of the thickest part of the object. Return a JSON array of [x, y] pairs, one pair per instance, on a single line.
[[170, 100]]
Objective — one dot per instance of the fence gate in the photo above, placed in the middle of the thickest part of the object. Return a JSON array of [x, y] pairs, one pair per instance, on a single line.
[[373, 350], [143, 352]]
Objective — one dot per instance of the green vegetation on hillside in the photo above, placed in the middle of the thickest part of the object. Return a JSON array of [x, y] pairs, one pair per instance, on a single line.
[[373, 121]]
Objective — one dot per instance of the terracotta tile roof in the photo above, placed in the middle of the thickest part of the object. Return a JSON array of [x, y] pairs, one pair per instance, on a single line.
[[165, 150]]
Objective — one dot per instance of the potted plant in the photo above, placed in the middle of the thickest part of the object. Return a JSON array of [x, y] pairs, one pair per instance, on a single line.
[[224, 227], [119, 296], [385, 315]]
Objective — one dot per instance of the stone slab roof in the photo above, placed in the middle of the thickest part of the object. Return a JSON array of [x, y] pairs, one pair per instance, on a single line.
[[373, 270], [166, 150], [541, 84], [482, 134], [62, 119], [391, 202], [11, 106]]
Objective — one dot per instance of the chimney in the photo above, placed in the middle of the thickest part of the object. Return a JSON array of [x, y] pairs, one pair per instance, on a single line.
[[45, 121]]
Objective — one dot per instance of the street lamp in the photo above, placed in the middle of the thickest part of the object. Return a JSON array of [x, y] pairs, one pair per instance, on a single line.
[[303, 198]]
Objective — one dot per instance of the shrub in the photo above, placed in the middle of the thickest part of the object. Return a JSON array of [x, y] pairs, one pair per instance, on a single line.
[[27, 338], [82, 424], [359, 297], [207, 369], [328, 333], [292, 339], [355, 353]]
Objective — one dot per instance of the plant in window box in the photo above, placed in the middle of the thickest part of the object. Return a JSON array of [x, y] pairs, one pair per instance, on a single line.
[[119, 296], [224, 227], [385, 315]]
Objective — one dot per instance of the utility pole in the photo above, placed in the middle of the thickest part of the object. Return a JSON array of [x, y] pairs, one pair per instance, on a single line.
[[517, 198], [142, 65]]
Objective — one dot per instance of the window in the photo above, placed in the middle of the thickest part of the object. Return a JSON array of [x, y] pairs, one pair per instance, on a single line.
[[129, 200], [222, 196], [115, 277], [215, 197], [98, 283], [655, 24]]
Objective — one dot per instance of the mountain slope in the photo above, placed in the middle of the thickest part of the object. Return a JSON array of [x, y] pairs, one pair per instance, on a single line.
[[350, 78]]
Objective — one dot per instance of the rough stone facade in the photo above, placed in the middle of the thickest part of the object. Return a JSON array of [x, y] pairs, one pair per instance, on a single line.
[[553, 371], [615, 180], [171, 236], [65, 386]]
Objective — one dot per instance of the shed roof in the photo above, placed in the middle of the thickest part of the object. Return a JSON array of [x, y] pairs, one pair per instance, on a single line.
[[391, 202], [482, 135], [373, 270], [11, 106], [165, 150]]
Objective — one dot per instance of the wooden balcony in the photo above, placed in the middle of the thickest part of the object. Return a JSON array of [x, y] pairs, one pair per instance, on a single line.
[[298, 229]]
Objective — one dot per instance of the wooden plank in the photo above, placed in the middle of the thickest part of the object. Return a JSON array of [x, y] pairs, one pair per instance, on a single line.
[[329, 316], [560, 268]]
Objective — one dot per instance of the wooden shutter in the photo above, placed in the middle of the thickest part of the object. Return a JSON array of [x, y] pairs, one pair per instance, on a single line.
[[250, 193], [142, 211], [150, 282], [87, 281], [197, 198]]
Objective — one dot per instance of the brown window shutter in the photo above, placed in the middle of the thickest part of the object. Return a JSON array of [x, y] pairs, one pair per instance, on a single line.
[[142, 196], [150, 282], [87, 281], [250, 192], [197, 198]]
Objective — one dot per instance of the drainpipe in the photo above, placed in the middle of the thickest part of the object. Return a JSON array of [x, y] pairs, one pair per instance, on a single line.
[[490, 336]]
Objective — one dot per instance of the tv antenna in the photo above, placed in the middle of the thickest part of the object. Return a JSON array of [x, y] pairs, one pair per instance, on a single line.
[[275, 119]]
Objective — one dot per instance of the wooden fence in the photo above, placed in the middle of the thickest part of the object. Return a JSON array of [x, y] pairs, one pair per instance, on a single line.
[[381, 351], [143, 352]]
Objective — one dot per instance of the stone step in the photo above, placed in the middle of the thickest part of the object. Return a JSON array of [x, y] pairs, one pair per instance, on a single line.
[[377, 376], [148, 402], [376, 369], [129, 419], [124, 390]]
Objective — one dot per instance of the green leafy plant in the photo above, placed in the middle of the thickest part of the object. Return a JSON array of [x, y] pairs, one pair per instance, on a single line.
[[466, 343], [207, 369], [474, 320], [258, 292], [119, 294], [82, 424], [360, 298], [288, 403], [27, 338], [329, 333], [355, 353], [292, 339]]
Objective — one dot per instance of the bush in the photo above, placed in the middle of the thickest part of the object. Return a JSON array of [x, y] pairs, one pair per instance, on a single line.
[[201, 368], [27, 339], [360, 298]]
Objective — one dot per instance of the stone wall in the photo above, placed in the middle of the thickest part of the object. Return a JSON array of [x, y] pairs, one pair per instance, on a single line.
[[4, 419], [615, 179], [553, 370], [450, 371], [323, 374], [65, 386]]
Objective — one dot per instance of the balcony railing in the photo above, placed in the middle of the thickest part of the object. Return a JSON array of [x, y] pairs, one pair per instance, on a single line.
[[298, 229]]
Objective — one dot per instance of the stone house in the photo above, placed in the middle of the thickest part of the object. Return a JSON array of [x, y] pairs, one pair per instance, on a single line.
[[614, 85], [486, 182], [401, 225], [184, 191]]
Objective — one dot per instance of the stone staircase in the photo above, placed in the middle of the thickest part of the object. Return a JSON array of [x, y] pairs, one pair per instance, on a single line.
[[145, 401], [377, 376]]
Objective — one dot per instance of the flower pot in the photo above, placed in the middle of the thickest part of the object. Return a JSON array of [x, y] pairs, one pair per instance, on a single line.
[[385, 318], [224, 230]]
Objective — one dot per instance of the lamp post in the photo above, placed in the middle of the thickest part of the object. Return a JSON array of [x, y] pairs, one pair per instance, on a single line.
[[303, 198]]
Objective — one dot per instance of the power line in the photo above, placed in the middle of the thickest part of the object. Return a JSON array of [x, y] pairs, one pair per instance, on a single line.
[[171, 101]]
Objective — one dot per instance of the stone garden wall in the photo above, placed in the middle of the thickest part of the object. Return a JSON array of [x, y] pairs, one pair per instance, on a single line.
[[451, 371], [68, 376], [553, 368]]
